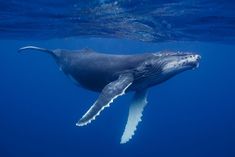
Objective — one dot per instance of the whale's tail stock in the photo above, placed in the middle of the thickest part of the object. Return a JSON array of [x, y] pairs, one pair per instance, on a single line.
[[26, 49]]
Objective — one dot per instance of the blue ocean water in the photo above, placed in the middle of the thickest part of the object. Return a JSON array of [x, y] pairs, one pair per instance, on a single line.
[[190, 115]]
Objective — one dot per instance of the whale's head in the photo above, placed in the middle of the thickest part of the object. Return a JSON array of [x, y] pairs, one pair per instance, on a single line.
[[175, 63], [178, 62]]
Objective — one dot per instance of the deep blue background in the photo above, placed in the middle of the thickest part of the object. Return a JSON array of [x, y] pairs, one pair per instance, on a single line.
[[190, 115]]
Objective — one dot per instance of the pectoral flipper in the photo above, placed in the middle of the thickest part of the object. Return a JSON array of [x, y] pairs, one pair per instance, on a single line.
[[135, 114], [110, 92]]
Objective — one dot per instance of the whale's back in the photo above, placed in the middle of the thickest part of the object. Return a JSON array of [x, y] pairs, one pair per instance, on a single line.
[[95, 70]]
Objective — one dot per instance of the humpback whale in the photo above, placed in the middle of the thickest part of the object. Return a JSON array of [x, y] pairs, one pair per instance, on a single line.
[[114, 75]]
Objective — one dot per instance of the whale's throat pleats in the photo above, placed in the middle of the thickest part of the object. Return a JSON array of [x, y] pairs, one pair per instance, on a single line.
[[135, 113], [110, 92]]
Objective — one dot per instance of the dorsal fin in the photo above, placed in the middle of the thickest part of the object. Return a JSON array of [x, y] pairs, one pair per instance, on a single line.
[[87, 50]]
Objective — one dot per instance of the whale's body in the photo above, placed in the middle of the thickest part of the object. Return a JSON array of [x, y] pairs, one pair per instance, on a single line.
[[114, 75], [94, 70]]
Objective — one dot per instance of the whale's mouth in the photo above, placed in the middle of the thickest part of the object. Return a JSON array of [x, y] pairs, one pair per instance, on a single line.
[[196, 66]]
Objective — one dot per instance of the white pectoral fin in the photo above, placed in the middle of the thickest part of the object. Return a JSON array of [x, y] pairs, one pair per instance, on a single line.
[[110, 92], [135, 114]]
